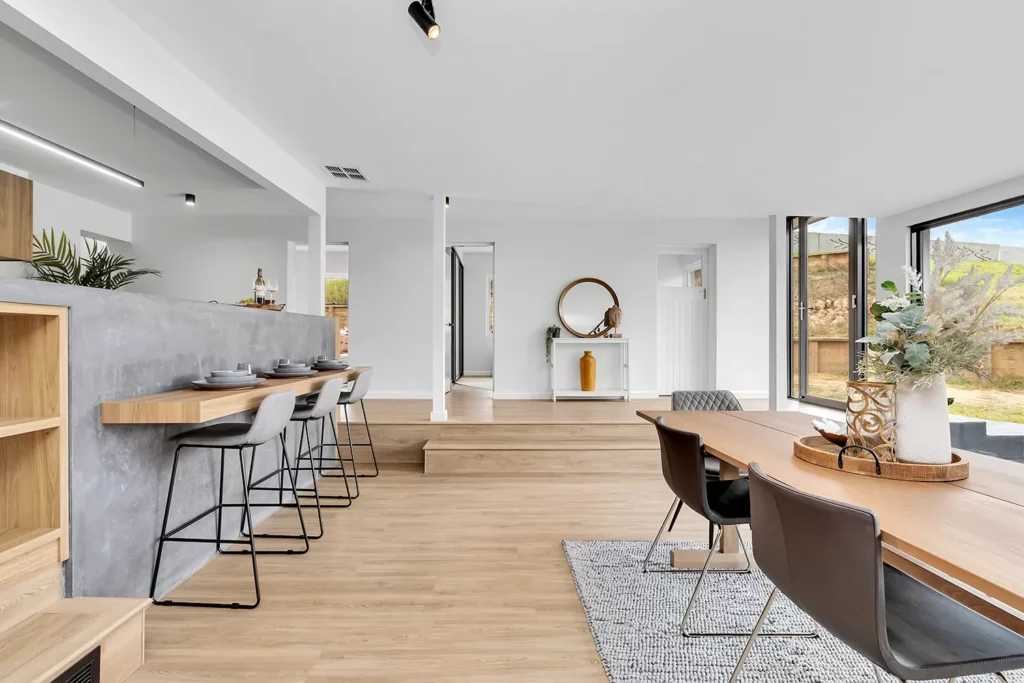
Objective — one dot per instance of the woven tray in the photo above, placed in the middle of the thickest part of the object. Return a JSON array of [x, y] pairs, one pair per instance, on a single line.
[[818, 451]]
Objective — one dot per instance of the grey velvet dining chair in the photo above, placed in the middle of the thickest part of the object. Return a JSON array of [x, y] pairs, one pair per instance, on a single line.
[[826, 557], [718, 399]]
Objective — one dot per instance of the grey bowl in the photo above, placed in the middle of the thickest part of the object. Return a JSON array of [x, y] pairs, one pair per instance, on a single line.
[[228, 373], [235, 379]]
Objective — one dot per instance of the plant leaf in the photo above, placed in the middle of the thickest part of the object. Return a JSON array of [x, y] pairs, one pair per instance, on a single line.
[[917, 354], [890, 286]]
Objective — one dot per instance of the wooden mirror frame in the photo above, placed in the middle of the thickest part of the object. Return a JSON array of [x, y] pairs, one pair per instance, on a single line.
[[565, 291]]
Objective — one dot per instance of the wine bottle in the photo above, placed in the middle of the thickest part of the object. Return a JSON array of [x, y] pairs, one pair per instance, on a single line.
[[260, 293]]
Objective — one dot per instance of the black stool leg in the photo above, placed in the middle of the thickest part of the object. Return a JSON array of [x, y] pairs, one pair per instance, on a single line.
[[312, 475], [252, 538], [220, 500], [302, 523], [348, 493], [163, 529], [341, 458], [369, 439]]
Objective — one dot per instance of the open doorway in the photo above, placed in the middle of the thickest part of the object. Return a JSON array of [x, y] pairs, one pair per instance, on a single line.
[[469, 319], [685, 329]]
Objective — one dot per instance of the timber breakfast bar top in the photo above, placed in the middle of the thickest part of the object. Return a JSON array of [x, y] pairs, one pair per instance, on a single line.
[[193, 406]]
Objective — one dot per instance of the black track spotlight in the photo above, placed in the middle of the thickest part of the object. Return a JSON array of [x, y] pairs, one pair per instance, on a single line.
[[190, 200], [447, 201], [423, 14]]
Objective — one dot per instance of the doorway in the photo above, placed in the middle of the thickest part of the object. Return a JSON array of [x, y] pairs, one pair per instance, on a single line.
[[469, 320], [685, 333]]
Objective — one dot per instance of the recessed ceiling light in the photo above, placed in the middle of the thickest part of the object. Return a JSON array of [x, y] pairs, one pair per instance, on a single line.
[[71, 155], [190, 200], [423, 14]]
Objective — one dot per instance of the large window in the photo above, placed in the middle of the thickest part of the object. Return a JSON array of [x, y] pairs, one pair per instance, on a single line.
[[831, 271], [991, 238]]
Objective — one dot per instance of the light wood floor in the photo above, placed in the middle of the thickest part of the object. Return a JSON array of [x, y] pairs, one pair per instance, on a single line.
[[424, 579]]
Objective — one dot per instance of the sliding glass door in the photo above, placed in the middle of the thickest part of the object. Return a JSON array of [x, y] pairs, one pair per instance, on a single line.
[[828, 282]]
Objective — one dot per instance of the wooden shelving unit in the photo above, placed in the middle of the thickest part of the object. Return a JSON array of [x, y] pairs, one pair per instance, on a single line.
[[41, 633]]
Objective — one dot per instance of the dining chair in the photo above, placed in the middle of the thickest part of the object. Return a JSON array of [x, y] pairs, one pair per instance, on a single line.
[[826, 557], [268, 425], [722, 502], [360, 385], [694, 401]]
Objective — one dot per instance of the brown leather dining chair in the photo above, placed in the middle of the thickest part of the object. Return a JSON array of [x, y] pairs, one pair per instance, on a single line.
[[826, 557], [723, 503], [691, 401]]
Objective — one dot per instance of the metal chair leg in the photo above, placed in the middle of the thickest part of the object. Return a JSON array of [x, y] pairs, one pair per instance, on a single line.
[[677, 506], [753, 636], [163, 528], [220, 501], [369, 439], [248, 484], [348, 497], [657, 538], [696, 594]]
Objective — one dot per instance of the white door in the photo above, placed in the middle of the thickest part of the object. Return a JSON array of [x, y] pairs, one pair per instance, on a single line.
[[682, 339]]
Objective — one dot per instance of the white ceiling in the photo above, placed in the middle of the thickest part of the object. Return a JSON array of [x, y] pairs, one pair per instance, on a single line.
[[42, 94], [659, 107]]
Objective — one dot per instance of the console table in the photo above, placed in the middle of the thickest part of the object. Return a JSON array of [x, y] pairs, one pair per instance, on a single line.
[[612, 356]]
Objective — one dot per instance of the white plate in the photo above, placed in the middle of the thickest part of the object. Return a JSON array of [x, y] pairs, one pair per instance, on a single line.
[[228, 373], [203, 384], [234, 379], [289, 375]]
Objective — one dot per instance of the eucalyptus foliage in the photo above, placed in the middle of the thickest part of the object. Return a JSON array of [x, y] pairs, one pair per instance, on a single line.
[[58, 261], [948, 330]]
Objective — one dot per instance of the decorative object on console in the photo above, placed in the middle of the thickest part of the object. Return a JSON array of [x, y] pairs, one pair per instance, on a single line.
[[554, 332], [588, 372], [871, 417], [583, 305], [613, 319], [921, 338], [58, 261]]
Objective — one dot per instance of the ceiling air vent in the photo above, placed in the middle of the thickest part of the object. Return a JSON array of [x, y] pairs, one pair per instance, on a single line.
[[345, 172]]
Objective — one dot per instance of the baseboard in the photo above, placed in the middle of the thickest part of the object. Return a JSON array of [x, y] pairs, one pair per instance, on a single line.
[[751, 394], [644, 394], [399, 394]]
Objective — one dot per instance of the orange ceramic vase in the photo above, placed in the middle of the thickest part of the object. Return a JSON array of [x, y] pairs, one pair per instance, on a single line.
[[588, 372]]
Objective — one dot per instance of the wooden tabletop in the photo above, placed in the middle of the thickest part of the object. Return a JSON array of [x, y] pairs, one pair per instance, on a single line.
[[193, 406], [972, 531]]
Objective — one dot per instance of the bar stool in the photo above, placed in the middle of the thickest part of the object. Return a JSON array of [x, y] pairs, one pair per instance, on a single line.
[[304, 413], [269, 423], [360, 386]]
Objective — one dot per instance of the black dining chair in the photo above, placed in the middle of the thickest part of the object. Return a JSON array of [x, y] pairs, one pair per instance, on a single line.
[[721, 502], [695, 401], [826, 557]]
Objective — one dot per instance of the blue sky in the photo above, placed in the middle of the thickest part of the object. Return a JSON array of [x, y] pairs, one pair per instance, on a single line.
[[1005, 228]]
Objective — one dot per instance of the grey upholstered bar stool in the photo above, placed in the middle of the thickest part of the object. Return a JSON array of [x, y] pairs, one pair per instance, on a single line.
[[321, 410], [826, 557], [269, 424], [718, 399], [360, 385]]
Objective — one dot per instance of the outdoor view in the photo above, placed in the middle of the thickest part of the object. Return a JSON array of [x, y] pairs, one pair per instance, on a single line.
[[991, 242]]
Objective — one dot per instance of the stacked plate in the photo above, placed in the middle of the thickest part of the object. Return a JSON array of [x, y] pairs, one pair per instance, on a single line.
[[324, 363], [229, 379], [285, 369]]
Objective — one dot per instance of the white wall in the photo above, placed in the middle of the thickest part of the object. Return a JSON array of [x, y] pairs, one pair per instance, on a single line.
[[389, 300], [213, 258], [478, 267], [535, 258], [72, 215]]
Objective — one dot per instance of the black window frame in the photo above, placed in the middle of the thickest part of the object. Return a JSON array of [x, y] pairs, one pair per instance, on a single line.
[[916, 244]]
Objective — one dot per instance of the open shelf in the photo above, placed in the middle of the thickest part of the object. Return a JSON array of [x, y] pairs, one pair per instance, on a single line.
[[18, 541], [13, 426]]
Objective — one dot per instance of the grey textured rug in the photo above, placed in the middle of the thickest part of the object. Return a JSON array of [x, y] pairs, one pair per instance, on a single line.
[[635, 617]]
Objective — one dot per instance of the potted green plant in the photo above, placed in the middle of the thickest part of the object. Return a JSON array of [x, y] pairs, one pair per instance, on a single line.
[[554, 332], [58, 261], [923, 337]]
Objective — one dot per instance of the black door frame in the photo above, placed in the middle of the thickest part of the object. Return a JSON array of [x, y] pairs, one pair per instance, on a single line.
[[457, 328], [857, 291]]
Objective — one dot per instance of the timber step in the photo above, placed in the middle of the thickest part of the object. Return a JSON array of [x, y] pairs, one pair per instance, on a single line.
[[538, 456], [47, 642]]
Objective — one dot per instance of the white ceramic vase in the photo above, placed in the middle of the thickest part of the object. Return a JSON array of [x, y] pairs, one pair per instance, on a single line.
[[922, 423]]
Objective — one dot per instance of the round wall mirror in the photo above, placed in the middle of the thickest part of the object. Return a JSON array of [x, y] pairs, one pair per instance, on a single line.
[[582, 306]]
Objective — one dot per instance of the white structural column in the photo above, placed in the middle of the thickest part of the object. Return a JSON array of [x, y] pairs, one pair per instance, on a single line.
[[778, 303], [437, 328], [317, 263]]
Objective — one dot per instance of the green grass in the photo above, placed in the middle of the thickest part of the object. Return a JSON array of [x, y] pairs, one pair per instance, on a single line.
[[336, 292], [1014, 296], [987, 412]]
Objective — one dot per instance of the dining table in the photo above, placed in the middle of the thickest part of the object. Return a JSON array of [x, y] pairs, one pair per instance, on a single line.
[[964, 538]]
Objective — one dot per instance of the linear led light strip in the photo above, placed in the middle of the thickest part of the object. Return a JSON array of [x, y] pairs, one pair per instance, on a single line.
[[32, 138]]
